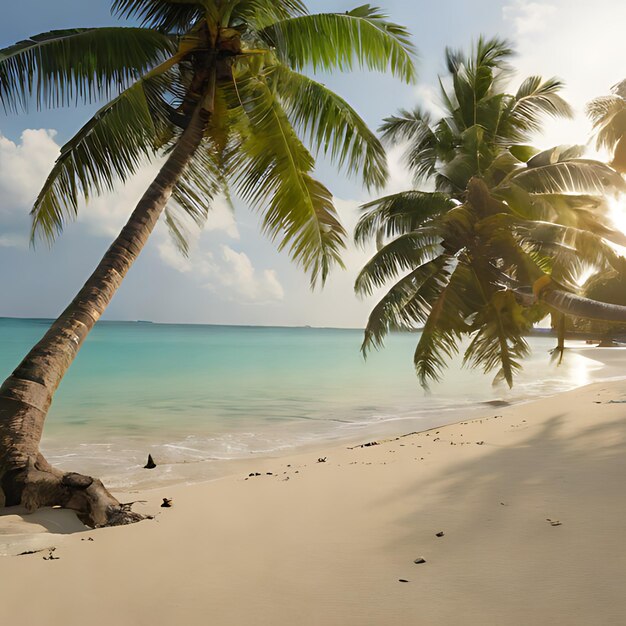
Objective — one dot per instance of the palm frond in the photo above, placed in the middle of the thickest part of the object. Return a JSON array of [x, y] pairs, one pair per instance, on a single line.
[[110, 147], [161, 15], [362, 37], [84, 65], [399, 214], [439, 340], [568, 209], [414, 128], [574, 176], [608, 115], [260, 14], [492, 52], [331, 125], [272, 170], [499, 342], [193, 195], [570, 250], [535, 99], [556, 154], [393, 312], [401, 254], [407, 125]]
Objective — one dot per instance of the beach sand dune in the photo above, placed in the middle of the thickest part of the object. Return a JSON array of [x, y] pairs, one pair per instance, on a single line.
[[530, 500]]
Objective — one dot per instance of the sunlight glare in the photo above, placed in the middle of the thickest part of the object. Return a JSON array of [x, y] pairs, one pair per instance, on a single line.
[[617, 212]]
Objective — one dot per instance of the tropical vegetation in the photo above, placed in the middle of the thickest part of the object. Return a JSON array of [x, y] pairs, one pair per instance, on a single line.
[[608, 114], [502, 232], [217, 90]]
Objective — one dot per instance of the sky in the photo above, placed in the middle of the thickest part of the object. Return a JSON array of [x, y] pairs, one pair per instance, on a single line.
[[234, 275]]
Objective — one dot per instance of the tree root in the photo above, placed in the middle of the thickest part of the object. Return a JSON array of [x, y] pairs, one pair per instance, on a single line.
[[40, 485]]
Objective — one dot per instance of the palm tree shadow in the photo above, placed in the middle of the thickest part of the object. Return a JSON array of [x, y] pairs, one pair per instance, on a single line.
[[524, 485]]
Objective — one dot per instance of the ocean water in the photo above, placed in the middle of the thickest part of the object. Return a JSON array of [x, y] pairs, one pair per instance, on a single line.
[[194, 396]]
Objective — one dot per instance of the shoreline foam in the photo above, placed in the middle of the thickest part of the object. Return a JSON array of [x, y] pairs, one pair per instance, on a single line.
[[331, 544], [201, 462]]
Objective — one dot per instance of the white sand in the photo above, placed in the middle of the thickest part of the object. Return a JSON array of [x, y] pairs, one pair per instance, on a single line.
[[329, 545]]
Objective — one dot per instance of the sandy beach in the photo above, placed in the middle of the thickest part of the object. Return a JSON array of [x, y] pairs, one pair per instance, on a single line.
[[530, 501]]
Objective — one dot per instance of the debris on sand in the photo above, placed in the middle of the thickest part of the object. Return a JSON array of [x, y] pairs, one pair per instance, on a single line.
[[51, 556]]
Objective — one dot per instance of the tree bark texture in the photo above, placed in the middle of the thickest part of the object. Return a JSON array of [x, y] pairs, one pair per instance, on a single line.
[[25, 476], [577, 306]]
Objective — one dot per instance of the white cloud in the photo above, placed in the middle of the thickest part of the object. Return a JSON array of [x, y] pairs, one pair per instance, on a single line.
[[222, 219], [231, 274], [400, 178], [529, 18], [171, 255], [579, 41], [429, 98], [24, 167], [239, 275]]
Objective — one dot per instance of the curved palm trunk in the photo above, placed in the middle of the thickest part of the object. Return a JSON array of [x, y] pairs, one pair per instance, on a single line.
[[578, 306], [25, 476]]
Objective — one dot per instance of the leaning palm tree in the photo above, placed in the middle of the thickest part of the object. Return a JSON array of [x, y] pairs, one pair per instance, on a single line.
[[506, 231], [215, 89]]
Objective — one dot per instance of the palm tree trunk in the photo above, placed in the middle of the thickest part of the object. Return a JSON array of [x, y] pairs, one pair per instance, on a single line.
[[26, 478], [577, 306]]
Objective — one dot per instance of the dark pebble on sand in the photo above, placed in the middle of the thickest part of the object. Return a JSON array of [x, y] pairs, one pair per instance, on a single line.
[[419, 561], [439, 534], [402, 580]]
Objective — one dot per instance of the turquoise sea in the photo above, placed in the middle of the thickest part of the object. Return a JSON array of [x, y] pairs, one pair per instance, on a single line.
[[196, 395]]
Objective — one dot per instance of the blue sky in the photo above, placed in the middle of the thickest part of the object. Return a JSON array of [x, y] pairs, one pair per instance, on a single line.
[[234, 275]]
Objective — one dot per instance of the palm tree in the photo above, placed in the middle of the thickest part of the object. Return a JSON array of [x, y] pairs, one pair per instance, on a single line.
[[608, 114], [214, 88], [505, 232]]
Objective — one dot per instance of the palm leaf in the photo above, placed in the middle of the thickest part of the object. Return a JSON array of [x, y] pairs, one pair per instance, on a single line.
[[62, 66], [570, 249], [260, 14], [534, 100], [327, 41], [331, 125], [403, 306], [499, 341], [272, 170], [575, 176], [400, 254], [608, 114], [193, 195], [161, 15], [414, 127], [399, 214], [440, 336], [111, 146]]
